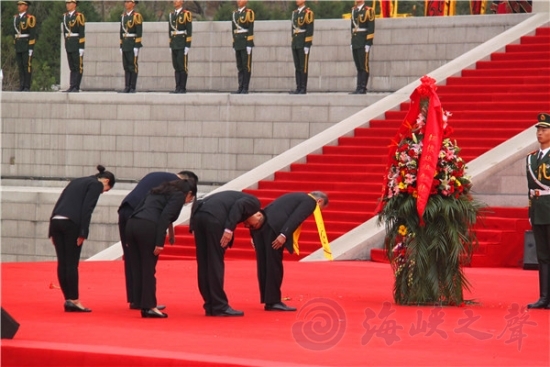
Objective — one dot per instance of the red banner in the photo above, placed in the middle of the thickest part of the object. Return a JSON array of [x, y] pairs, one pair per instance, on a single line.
[[431, 144]]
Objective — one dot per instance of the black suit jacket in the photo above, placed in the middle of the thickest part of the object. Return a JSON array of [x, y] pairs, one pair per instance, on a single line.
[[162, 210], [148, 182], [284, 215], [228, 207], [77, 202]]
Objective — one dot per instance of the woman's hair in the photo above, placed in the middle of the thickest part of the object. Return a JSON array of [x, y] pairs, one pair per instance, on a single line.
[[106, 174], [169, 187]]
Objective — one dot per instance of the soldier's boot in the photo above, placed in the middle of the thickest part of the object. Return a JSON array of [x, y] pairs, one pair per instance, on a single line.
[[297, 76], [240, 77], [133, 82], [359, 83], [364, 82], [303, 83], [246, 81], [71, 82], [544, 284], [127, 76], [27, 85], [177, 77], [78, 81], [183, 82], [21, 81]]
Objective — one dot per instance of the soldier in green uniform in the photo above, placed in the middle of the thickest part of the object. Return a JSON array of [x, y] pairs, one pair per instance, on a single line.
[[73, 31], [362, 36], [131, 29], [180, 29], [24, 25], [538, 182], [302, 37], [243, 41]]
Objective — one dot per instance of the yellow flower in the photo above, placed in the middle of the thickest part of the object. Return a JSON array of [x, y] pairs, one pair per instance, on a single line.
[[402, 230], [402, 186]]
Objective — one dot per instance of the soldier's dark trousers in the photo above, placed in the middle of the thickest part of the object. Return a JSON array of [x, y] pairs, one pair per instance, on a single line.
[[76, 66], [361, 60], [179, 62], [130, 64], [542, 243], [24, 64], [301, 61], [244, 67]]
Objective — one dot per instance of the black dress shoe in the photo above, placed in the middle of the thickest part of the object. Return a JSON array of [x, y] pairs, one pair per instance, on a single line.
[[297, 91], [279, 306], [71, 307], [540, 304], [152, 314], [239, 91], [135, 306], [228, 312]]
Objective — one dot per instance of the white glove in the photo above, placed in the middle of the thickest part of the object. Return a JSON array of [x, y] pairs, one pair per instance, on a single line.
[[248, 50], [367, 48], [186, 51], [30, 52], [81, 52], [120, 50], [351, 47], [306, 50], [136, 51]]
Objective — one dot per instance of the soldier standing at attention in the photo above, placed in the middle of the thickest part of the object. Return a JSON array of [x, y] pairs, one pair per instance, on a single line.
[[24, 25], [131, 29], [180, 29], [538, 183], [73, 31], [243, 41], [302, 37], [362, 36]]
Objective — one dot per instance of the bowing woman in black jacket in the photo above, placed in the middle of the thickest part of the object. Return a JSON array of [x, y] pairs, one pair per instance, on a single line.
[[145, 233], [69, 226]]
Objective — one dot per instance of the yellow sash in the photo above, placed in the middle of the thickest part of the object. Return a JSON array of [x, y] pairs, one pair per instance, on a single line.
[[322, 234]]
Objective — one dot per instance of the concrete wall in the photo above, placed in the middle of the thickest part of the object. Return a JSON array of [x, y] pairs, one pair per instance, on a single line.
[[404, 49]]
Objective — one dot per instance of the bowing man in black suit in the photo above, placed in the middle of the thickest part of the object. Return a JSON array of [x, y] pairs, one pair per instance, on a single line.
[[146, 231], [69, 227], [213, 221], [272, 229], [129, 203]]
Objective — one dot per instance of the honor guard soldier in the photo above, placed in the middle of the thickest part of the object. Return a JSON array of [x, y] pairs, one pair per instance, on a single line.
[[362, 36], [538, 182], [131, 29], [180, 29], [302, 37], [243, 41], [24, 25], [73, 31]]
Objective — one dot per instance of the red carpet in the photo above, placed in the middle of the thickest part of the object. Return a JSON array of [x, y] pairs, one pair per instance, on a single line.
[[490, 104], [354, 325]]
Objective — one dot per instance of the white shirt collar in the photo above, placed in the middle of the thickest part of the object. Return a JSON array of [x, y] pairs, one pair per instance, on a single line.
[[360, 7], [71, 13], [300, 9], [544, 152], [21, 14], [129, 12], [241, 9], [178, 10]]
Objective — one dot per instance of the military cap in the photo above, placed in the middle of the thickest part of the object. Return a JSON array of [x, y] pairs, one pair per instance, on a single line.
[[71, 1], [132, 1], [24, 3], [544, 120]]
